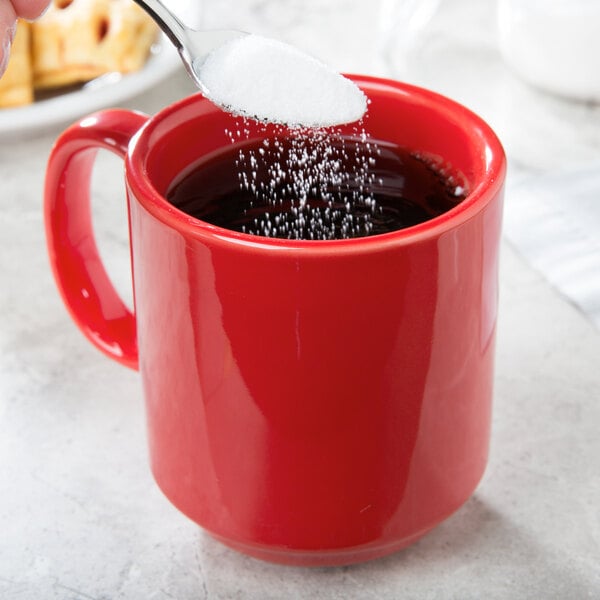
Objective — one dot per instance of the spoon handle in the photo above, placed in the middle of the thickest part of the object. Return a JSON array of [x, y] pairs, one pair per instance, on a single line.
[[172, 27]]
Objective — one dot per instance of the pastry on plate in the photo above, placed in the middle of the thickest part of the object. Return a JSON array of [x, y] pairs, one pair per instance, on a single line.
[[16, 85], [78, 40]]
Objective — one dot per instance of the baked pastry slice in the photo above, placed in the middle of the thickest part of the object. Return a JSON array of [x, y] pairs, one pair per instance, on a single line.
[[78, 40], [16, 85]]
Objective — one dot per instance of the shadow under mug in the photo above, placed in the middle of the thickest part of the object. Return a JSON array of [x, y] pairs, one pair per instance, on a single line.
[[311, 403]]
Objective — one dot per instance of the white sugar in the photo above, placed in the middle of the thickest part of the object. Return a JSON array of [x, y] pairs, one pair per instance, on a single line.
[[271, 81]]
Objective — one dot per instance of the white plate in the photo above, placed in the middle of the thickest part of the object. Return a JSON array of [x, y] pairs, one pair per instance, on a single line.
[[104, 91]]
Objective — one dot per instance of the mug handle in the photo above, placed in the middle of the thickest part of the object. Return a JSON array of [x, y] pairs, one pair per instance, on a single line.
[[80, 276]]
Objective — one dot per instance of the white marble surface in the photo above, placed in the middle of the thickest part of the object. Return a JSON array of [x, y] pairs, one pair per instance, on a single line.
[[80, 517]]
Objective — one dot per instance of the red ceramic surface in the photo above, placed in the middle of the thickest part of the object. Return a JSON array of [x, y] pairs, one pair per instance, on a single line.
[[312, 403]]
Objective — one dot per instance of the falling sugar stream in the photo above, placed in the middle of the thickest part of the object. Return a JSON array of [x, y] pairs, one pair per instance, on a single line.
[[318, 185]]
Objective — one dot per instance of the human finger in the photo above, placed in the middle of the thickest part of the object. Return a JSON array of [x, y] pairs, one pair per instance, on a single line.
[[8, 26], [29, 9]]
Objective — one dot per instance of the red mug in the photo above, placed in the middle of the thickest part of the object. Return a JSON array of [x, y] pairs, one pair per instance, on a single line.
[[309, 403]]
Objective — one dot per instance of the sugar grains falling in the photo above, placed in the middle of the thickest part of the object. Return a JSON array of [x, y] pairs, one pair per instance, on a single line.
[[311, 184]]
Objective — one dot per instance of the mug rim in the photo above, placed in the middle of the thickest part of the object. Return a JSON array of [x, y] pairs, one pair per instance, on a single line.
[[478, 197]]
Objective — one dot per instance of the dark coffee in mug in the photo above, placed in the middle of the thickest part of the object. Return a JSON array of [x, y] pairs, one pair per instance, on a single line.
[[316, 187]]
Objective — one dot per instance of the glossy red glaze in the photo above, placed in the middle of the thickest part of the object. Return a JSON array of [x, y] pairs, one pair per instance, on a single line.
[[313, 403]]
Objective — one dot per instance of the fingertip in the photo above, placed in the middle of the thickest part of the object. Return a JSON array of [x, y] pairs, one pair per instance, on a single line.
[[30, 10]]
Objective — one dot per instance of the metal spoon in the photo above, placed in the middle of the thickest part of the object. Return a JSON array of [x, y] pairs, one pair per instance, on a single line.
[[193, 46]]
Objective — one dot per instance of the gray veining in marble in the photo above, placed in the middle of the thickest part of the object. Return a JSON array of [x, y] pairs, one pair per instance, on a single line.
[[80, 516]]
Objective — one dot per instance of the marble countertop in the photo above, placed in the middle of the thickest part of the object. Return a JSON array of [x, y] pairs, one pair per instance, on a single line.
[[80, 516]]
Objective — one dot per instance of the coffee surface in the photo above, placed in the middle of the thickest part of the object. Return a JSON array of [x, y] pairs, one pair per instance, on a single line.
[[295, 188]]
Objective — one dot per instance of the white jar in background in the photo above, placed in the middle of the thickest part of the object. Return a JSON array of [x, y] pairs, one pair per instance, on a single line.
[[553, 44]]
